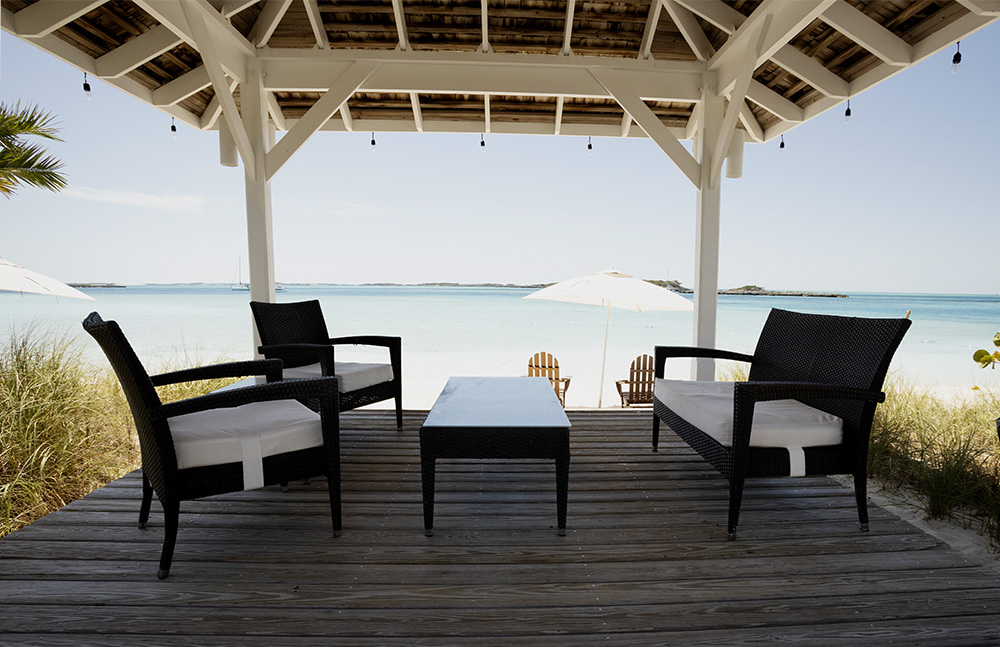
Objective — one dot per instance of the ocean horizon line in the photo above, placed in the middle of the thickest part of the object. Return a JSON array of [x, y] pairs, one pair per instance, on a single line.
[[95, 285]]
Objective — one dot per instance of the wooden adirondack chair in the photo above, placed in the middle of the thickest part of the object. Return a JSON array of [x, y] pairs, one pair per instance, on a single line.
[[638, 388], [544, 364]]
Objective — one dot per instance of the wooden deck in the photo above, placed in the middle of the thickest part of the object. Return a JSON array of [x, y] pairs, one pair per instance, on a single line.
[[645, 562]]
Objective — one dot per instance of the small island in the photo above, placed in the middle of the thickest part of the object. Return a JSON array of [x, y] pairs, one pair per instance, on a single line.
[[750, 290]]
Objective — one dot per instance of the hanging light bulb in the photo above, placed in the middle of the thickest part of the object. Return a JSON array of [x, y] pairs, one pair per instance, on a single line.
[[847, 113], [86, 88], [482, 142], [781, 146], [173, 129], [957, 58], [590, 147], [373, 141]]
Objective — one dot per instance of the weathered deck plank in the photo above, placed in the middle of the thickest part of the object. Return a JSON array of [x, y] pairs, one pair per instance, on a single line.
[[645, 562]]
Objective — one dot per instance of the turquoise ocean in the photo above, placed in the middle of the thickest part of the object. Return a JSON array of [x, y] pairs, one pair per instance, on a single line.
[[450, 330]]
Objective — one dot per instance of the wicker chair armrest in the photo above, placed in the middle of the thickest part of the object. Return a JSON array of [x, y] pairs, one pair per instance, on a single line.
[[267, 367], [324, 353], [369, 340], [662, 353], [394, 344], [323, 389]]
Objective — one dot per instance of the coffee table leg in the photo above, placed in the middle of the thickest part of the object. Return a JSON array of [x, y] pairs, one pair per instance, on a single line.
[[427, 479], [562, 486]]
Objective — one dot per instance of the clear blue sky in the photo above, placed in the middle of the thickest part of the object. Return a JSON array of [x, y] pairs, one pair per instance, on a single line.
[[904, 199]]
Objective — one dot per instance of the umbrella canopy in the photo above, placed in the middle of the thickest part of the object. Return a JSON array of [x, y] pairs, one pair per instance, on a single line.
[[611, 289], [14, 278]]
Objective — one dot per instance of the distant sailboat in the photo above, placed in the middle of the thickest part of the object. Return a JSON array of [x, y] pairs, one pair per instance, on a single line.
[[238, 284]]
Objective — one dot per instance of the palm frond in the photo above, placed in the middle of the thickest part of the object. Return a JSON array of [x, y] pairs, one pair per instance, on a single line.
[[32, 121], [29, 166]]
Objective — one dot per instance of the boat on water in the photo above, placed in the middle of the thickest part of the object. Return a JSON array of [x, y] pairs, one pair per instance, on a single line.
[[238, 283]]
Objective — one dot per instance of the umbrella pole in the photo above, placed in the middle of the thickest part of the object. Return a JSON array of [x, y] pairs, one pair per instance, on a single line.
[[604, 360]]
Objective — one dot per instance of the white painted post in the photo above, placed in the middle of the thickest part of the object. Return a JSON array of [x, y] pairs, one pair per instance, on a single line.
[[260, 239], [706, 277]]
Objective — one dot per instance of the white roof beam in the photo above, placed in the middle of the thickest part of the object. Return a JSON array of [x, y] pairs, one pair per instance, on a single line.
[[214, 109], [340, 90], [203, 37], [560, 102], [568, 28], [869, 34], [141, 49], [774, 103], [484, 46], [812, 72], [228, 44], [345, 116], [982, 7], [46, 16], [232, 7], [754, 43], [784, 19], [400, 18], [298, 74], [628, 97], [652, 19], [626, 124], [418, 117], [182, 87], [316, 23], [487, 115], [750, 123], [268, 20], [692, 32], [274, 110]]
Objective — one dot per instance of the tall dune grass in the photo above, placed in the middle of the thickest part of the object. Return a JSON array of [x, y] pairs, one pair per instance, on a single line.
[[65, 427]]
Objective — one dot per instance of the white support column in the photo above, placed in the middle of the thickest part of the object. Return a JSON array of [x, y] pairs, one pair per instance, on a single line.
[[706, 277], [260, 239]]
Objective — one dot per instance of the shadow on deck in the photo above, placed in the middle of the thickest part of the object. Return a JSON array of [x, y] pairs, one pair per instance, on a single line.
[[645, 561]]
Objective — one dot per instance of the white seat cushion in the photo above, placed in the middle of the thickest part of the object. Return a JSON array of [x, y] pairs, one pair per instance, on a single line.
[[777, 423], [244, 434], [351, 376]]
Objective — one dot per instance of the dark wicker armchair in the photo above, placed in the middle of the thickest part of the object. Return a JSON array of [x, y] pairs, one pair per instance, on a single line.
[[296, 334], [825, 367], [230, 440]]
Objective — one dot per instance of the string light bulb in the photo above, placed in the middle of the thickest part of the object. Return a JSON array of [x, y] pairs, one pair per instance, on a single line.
[[86, 88], [957, 58], [373, 141], [482, 142], [781, 146], [847, 113], [590, 147], [173, 129]]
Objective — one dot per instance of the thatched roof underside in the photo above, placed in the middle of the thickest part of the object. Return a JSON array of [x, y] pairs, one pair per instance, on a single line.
[[850, 45]]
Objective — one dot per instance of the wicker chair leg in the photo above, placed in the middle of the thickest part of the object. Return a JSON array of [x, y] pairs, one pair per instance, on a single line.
[[735, 503], [399, 407], [656, 432], [861, 496], [171, 519], [147, 500], [333, 483]]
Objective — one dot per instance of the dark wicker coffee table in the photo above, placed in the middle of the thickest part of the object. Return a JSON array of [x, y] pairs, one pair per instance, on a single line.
[[495, 417]]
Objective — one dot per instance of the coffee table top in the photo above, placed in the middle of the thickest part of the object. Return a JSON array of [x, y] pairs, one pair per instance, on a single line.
[[497, 402]]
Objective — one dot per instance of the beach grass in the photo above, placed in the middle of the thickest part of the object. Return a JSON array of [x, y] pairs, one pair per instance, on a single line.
[[65, 426], [944, 450]]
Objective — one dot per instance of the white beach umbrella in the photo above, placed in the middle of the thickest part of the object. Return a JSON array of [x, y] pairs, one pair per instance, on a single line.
[[611, 289], [14, 278]]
